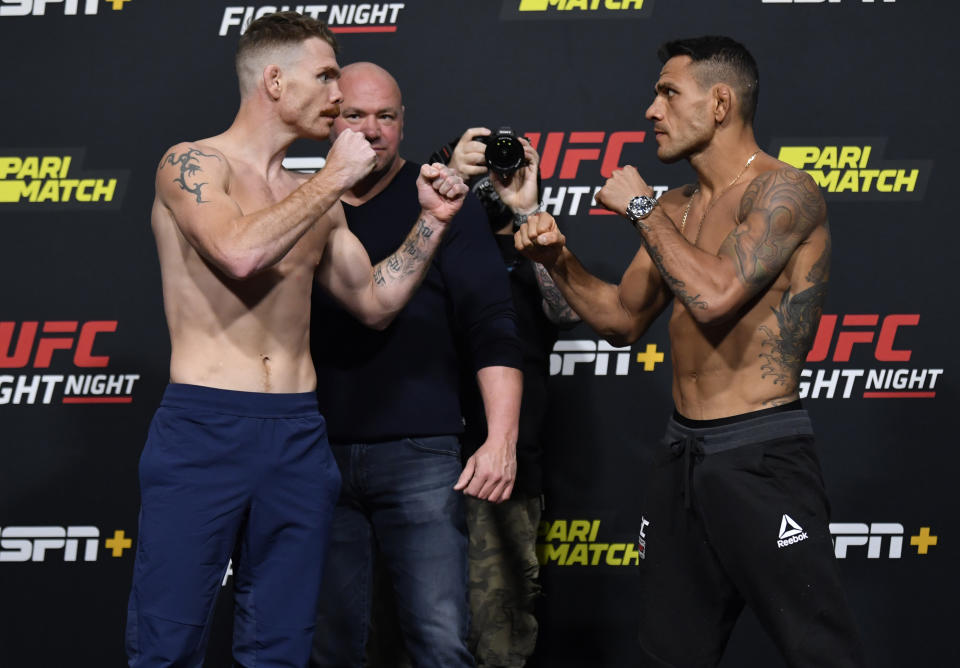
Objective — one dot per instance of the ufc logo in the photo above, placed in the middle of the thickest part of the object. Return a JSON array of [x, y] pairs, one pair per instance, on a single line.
[[581, 147], [863, 331], [15, 353]]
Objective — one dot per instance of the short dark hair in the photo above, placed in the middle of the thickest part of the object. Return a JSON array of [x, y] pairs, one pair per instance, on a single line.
[[720, 59], [278, 30]]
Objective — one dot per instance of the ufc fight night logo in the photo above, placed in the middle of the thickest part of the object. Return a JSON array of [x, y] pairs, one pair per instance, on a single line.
[[870, 340], [55, 344]]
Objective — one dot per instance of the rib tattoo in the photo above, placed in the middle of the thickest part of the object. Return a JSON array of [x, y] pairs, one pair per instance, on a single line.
[[797, 318]]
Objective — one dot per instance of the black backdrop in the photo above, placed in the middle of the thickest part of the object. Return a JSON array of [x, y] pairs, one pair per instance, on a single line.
[[93, 92]]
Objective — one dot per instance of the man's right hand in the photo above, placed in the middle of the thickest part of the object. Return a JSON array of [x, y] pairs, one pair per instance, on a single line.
[[540, 239], [349, 160], [469, 155]]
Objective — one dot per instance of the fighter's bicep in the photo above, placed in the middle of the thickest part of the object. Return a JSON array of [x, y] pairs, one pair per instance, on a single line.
[[344, 270], [779, 209], [192, 183]]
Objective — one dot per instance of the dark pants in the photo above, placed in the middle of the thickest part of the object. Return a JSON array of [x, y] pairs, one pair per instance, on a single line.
[[224, 473], [736, 513], [399, 496]]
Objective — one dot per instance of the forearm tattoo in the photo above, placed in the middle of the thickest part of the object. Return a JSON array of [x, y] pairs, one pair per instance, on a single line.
[[558, 307], [797, 318], [408, 259], [189, 166], [678, 287]]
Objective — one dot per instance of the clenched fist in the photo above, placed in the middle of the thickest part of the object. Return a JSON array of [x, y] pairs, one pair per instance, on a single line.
[[540, 239], [441, 191], [350, 159], [622, 186]]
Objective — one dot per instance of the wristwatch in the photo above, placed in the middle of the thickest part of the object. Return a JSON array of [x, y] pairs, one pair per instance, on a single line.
[[640, 207]]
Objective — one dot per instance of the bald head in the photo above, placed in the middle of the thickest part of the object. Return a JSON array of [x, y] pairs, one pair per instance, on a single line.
[[370, 78], [372, 104]]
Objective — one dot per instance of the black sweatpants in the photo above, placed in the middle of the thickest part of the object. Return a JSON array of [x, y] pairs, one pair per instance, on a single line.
[[736, 512]]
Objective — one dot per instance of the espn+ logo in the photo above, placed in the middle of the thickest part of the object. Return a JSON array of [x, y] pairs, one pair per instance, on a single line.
[[39, 7]]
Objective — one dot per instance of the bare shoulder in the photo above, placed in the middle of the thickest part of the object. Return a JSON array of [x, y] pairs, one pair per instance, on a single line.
[[677, 196], [187, 167], [674, 200], [785, 197]]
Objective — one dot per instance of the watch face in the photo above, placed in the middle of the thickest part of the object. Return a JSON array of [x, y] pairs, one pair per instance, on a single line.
[[640, 206]]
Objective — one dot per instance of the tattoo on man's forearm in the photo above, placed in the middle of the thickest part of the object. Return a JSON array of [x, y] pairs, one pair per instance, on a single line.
[[551, 294], [678, 287], [409, 259], [189, 166]]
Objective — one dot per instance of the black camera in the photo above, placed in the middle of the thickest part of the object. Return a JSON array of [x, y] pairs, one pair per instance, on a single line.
[[504, 154]]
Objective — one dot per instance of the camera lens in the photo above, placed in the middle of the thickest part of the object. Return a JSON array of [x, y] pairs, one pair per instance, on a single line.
[[504, 153]]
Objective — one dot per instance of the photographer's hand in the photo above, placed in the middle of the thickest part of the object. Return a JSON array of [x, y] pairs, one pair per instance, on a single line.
[[519, 191], [468, 155]]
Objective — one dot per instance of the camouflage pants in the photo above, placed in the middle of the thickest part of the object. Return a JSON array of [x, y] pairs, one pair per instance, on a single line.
[[503, 580]]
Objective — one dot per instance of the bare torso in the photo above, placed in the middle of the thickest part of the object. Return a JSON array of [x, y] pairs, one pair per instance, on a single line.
[[752, 360], [249, 335]]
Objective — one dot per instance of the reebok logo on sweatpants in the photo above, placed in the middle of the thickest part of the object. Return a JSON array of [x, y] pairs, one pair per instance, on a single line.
[[790, 532]]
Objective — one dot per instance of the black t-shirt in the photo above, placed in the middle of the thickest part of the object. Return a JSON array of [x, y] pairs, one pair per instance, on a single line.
[[537, 336], [404, 381]]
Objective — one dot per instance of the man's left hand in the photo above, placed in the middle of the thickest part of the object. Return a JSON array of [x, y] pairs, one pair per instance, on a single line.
[[441, 191], [519, 190], [622, 186], [489, 474]]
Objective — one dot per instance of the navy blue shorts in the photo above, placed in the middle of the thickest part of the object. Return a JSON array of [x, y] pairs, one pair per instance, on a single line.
[[231, 474]]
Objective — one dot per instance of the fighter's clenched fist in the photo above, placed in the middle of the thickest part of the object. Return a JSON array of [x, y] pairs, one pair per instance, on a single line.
[[622, 186], [350, 158], [540, 239], [441, 191]]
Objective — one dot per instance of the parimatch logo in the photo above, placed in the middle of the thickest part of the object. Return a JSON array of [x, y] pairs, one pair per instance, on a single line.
[[513, 10], [54, 179], [578, 543], [856, 169]]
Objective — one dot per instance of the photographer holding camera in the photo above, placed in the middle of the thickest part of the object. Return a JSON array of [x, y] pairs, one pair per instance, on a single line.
[[392, 404], [503, 171]]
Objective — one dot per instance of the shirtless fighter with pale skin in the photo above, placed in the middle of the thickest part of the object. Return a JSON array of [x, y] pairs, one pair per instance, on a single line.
[[743, 257], [237, 462]]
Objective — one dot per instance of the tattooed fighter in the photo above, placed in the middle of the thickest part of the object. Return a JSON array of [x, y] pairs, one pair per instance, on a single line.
[[237, 460], [735, 508]]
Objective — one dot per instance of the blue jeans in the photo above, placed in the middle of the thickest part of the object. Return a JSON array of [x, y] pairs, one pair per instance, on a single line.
[[400, 495]]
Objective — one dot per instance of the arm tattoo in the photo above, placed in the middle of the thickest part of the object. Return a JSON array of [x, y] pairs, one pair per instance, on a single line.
[[189, 165], [786, 205], [797, 317], [408, 259], [558, 310], [678, 287]]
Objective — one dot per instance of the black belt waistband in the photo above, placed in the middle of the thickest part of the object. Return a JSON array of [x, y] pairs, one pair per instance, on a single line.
[[693, 443], [742, 432]]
